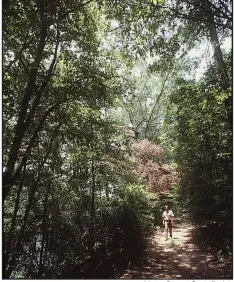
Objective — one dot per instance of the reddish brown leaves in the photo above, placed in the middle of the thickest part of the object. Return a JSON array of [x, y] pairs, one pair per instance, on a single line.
[[148, 158]]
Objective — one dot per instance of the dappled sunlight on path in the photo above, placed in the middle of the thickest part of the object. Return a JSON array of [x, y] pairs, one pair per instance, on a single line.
[[176, 258]]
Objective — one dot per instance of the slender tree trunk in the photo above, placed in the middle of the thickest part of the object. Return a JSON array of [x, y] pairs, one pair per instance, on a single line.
[[19, 246], [92, 223], [20, 127], [8, 182], [92, 219], [8, 244], [44, 235], [220, 62], [219, 56]]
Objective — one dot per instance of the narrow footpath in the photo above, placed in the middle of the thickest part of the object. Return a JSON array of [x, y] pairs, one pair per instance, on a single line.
[[177, 258]]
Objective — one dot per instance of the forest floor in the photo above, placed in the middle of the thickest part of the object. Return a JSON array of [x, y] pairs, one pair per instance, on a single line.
[[178, 258]]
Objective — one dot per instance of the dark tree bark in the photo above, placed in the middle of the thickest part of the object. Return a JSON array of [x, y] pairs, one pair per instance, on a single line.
[[9, 267], [44, 236], [8, 182], [21, 126], [92, 220], [7, 247]]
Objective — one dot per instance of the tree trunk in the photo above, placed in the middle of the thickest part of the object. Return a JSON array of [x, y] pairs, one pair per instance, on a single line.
[[19, 246], [8, 182], [44, 235], [219, 56], [92, 220], [7, 246], [21, 126], [221, 63]]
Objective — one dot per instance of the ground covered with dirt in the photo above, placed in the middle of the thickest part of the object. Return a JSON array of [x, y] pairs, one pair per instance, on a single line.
[[179, 258]]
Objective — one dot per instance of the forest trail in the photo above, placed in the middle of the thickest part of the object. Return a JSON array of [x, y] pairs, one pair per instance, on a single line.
[[177, 258]]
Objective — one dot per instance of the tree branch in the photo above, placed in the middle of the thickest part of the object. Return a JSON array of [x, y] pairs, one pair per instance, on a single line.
[[156, 102]]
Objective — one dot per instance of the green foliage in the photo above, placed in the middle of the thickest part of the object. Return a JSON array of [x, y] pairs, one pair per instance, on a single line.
[[121, 224], [72, 206], [203, 149]]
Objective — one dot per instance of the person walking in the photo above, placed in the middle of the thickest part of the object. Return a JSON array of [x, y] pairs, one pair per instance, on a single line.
[[168, 217]]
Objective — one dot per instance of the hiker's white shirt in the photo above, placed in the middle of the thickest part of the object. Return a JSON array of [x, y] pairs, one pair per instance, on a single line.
[[167, 215]]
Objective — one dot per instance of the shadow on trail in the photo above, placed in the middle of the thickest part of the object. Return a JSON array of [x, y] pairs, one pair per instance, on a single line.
[[216, 239], [176, 259]]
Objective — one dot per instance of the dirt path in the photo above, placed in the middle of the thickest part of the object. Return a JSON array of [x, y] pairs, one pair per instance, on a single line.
[[177, 258]]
